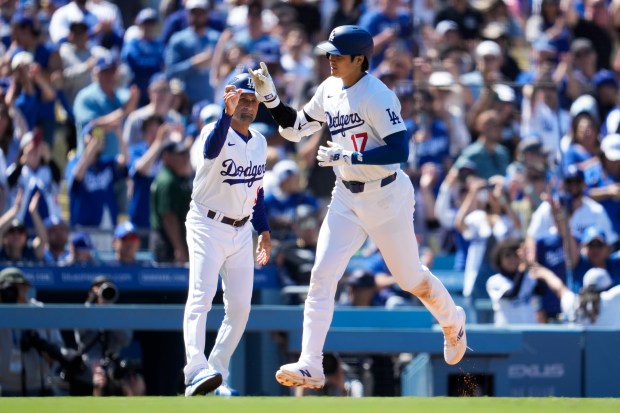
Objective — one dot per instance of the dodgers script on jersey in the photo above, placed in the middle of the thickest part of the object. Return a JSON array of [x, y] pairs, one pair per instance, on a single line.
[[358, 118], [230, 182]]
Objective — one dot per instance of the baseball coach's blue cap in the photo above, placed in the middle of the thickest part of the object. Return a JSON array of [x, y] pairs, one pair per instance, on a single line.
[[244, 82]]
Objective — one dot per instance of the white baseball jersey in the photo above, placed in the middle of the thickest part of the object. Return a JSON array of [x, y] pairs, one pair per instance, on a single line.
[[518, 310], [358, 118], [230, 182]]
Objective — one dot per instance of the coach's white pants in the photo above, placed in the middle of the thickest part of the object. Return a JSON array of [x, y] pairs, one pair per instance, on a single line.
[[215, 248], [386, 216]]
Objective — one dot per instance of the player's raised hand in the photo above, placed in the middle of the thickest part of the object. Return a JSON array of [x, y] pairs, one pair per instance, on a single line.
[[334, 155], [265, 88], [263, 249], [231, 99]]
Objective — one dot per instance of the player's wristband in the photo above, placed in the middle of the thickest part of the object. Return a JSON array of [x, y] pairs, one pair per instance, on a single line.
[[273, 102], [357, 158]]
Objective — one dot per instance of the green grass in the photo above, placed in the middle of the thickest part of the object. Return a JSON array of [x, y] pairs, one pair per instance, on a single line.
[[306, 405]]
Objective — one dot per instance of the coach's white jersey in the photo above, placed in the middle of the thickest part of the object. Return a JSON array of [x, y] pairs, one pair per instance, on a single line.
[[230, 182], [358, 118]]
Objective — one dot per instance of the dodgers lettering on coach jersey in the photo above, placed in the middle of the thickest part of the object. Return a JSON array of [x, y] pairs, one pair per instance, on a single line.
[[230, 182], [358, 118]]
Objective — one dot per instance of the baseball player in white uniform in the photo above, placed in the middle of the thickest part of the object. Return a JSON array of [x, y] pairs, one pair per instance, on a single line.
[[227, 192], [372, 196]]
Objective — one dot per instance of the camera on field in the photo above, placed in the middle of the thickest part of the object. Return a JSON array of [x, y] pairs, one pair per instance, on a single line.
[[102, 291], [108, 293]]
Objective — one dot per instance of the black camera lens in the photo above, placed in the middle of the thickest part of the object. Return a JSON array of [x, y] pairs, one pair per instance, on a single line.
[[108, 292]]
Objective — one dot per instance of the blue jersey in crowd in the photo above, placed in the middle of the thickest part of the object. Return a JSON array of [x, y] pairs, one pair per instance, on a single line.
[[550, 254], [139, 204], [144, 58], [89, 197]]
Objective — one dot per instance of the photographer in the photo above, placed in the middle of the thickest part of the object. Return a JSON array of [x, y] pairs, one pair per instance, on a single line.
[[111, 376], [26, 356]]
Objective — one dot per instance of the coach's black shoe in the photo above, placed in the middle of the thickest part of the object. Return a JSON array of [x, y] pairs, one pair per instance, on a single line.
[[202, 383], [301, 374]]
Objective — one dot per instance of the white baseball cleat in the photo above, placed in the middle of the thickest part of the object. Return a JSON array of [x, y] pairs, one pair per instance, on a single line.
[[226, 391], [301, 374], [455, 339], [205, 381]]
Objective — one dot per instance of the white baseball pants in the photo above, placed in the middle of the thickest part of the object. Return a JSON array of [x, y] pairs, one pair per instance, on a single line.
[[216, 248], [386, 216]]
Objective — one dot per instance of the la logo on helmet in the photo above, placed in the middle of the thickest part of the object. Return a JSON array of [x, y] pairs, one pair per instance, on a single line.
[[332, 35]]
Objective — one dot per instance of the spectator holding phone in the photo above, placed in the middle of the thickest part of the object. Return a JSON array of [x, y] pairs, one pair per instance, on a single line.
[[35, 171], [91, 179], [15, 245], [484, 219]]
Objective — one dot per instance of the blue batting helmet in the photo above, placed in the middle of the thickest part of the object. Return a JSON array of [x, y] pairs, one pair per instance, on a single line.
[[244, 82], [348, 40]]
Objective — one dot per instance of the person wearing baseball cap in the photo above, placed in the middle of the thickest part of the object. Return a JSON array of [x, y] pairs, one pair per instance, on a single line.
[[189, 52], [606, 189], [366, 175], [227, 193], [126, 243], [144, 54], [489, 60], [57, 231], [81, 250], [597, 303], [15, 247]]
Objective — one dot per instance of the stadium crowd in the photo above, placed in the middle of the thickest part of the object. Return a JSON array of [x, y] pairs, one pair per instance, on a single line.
[[511, 106]]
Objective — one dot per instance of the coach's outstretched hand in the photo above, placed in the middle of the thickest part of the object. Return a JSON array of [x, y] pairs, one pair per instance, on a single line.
[[334, 155], [265, 88], [263, 249]]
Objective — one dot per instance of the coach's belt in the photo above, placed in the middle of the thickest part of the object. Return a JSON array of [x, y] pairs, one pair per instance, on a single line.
[[229, 221], [356, 187]]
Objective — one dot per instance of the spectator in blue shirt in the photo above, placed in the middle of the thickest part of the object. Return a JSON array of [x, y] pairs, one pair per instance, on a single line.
[[282, 203], [177, 21], [144, 165], [104, 104], [81, 251], [26, 37], [584, 148], [57, 238], [145, 54], [189, 53], [431, 133], [254, 34], [91, 178], [30, 89], [595, 253], [387, 23], [607, 190]]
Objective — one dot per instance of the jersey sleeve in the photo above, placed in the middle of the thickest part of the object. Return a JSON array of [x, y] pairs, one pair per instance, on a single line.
[[383, 112], [314, 108]]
